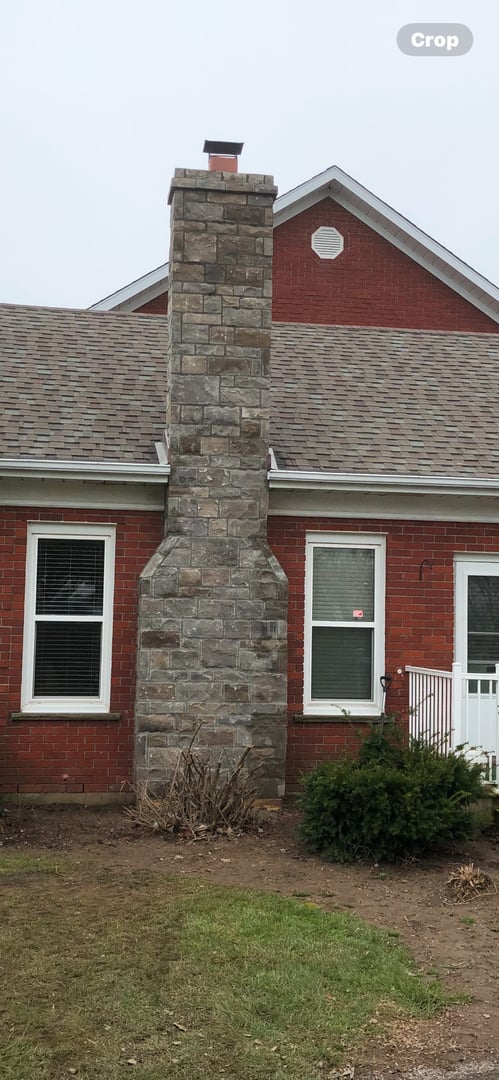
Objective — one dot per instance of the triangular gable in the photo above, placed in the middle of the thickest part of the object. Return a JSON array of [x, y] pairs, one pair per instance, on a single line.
[[348, 193]]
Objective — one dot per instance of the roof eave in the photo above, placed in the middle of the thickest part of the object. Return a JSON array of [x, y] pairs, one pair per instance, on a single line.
[[298, 480], [102, 471], [140, 291]]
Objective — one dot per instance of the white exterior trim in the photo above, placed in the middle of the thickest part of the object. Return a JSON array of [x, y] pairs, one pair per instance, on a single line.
[[328, 481], [81, 494], [481, 563], [132, 472], [138, 292], [352, 708], [477, 557], [30, 704], [393, 506], [272, 457]]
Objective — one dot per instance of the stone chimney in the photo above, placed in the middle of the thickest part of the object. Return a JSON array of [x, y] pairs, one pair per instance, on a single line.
[[213, 599]]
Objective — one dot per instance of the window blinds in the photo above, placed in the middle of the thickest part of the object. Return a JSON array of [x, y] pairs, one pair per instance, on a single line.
[[342, 593], [68, 617]]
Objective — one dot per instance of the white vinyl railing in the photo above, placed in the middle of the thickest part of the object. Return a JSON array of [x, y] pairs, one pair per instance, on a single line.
[[455, 708], [430, 706]]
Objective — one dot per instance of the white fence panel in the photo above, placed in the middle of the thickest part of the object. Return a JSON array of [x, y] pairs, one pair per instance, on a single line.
[[455, 708], [430, 704]]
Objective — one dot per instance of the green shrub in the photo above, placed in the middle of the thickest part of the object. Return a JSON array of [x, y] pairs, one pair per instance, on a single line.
[[395, 800]]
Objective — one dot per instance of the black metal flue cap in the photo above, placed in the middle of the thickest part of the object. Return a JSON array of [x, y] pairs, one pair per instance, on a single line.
[[233, 149]]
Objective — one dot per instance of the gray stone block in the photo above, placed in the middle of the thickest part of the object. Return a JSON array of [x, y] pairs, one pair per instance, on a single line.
[[219, 654], [212, 610]]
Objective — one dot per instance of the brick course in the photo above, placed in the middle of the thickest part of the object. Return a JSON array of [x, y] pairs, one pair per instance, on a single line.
[[419, 614], [96, 755]]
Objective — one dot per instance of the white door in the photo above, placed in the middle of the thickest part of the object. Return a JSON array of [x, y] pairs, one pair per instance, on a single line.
[[477, 650]]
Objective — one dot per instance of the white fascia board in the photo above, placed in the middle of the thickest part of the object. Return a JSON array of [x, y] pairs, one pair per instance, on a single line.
[[285, 205], [135, 473], [142, 289], [294, 479], [401, 232]]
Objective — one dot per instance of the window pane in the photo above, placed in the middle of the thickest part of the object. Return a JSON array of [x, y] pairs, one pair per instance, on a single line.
[[67, 659], [483, 604], [343, 583], [483, 652], [483, 622], [342, 663], [70, 577]]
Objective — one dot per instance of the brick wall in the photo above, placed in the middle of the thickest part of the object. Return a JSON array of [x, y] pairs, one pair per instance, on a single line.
[[158, 306], [95, 755], [371, 283], [419, 614]]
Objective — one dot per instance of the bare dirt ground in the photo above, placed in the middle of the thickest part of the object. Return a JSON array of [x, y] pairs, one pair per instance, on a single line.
[[457, 942]]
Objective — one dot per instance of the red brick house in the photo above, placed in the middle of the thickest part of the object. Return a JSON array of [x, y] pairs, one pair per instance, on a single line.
[[321, 409]]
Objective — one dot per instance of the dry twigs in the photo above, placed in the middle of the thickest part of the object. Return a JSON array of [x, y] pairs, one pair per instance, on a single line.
[[202, 798], [466, 883]]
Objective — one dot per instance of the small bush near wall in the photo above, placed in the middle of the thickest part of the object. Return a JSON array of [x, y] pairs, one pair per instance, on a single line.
[[394, 801]]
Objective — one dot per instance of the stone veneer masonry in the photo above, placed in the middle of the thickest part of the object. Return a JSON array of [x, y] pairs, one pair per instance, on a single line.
[[213, 598]]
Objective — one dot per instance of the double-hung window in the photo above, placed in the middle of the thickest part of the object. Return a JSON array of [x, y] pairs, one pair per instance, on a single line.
[[68, 618], [344, 624]]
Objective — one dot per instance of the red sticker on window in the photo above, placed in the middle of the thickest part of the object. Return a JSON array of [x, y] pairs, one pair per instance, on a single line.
[[358, 613]]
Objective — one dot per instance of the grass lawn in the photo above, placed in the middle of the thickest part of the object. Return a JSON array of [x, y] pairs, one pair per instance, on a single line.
[[108, 973]]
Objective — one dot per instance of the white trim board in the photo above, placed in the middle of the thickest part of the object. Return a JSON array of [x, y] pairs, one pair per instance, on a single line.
[[132, 472], [313, 480], [336, 184], [392, 507], [81, 494]]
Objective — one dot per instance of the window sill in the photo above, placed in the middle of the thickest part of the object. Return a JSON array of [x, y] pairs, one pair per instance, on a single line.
[[93, 717], [305, 718]]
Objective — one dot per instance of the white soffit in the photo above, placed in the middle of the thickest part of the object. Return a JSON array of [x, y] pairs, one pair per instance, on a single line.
[[384, 506], [80, 494]]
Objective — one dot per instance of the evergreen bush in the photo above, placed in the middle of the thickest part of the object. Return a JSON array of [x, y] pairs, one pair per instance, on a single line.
[[397, 799]]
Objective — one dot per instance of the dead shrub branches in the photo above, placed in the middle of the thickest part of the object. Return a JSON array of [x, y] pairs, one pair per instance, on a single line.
[[467, 883], [202, 798]]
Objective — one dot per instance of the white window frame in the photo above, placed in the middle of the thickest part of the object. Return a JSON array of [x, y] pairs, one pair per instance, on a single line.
[[468, 564], [354, 707], [47, 530]]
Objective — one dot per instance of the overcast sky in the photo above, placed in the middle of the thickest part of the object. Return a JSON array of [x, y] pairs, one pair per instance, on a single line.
[[102, 99]]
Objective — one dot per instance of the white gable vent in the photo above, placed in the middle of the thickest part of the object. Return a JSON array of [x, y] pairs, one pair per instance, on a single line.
[[327, 242]]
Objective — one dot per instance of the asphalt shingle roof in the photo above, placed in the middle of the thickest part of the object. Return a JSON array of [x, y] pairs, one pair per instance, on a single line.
[[83, 385], [79, 385], [362, 399]]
